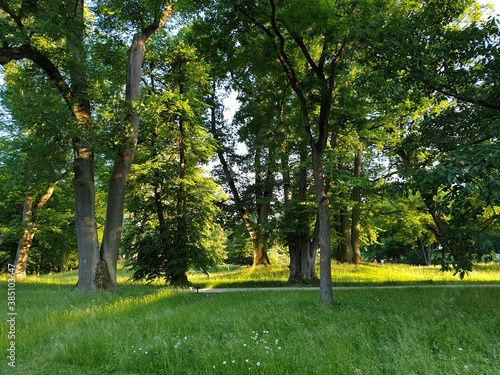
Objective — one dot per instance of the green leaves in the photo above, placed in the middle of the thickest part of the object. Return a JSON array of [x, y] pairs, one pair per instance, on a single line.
[[172, 199]]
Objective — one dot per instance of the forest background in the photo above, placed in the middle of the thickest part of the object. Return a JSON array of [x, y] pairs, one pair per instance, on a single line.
[[367, 130]]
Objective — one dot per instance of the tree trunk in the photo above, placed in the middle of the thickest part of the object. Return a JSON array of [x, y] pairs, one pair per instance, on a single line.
[[291, 244], [29, 221], [26, 238], [251, 227], [302, 250], [83, 164], [345, 251], [116, 194], [324, 236], [114, 214], [307, 252], [86, 227], [356, 209], [263, 193]]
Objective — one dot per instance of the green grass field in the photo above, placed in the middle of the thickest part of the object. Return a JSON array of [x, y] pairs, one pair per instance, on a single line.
[[151, 329]]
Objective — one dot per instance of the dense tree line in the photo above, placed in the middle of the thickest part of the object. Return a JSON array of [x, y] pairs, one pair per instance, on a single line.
[[364, 130]]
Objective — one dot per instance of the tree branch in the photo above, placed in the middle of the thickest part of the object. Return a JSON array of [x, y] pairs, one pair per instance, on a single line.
[[464, 98], [27, 51], [316, 69], [15, 17]]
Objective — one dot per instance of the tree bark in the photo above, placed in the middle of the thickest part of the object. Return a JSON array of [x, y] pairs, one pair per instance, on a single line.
[[356, 209], [345, 254], [287, 201], [29, 222], [263, 193], [26, 238], [83, 164], [116, 193], [324, 237]]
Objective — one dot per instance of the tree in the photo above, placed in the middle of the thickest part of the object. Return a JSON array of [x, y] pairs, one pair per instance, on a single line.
[[25, 30], [160, 12], [286, 38], [34, 109], [173, 214], [453, 65]]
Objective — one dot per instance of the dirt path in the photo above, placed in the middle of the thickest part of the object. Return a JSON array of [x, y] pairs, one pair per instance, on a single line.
[[285, 289]]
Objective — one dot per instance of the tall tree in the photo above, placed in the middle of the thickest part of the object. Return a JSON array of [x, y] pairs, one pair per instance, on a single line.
[[453, 64], [173, 203], [33, 110], [27, 27], [160, 13]]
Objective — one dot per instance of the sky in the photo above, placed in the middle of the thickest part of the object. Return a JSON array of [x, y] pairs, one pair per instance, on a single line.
[[495, 3]]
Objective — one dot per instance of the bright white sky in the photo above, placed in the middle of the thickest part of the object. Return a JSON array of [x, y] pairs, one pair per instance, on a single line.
[[495, 3]]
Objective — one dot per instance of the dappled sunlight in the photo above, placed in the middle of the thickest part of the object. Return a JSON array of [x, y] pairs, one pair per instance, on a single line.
[[348, 274], [277, 275]]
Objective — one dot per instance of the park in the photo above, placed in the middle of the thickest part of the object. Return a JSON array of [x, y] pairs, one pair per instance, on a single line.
[[387, 319], [243, 186]]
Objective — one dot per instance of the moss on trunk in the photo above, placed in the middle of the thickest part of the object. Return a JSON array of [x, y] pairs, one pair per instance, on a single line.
[[102, 277]]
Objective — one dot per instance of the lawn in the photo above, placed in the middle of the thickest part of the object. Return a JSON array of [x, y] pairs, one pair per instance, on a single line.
[[151, 329]]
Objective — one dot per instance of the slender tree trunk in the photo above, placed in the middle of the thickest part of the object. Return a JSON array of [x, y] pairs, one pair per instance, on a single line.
[[29, 222], [356, 209], [345, 250], [116, 194], [252, 229], [291, 244], [26, 238]]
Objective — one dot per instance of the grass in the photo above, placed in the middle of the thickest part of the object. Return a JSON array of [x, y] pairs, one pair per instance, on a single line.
[[150, 329], [347, 275]]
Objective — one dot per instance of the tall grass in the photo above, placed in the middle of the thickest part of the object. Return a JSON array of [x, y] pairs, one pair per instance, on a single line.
[[150, 329], [347, 275]]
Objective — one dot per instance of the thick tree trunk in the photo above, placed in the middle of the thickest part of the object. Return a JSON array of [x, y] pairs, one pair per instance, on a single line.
[[302, 251], [324, 236], [86, 227], [306, 249], [260, 254], [83, 164], [263, 193], [345, 254], [110, 245]]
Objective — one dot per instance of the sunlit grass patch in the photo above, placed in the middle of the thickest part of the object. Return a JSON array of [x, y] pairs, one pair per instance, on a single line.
[[347, 275]]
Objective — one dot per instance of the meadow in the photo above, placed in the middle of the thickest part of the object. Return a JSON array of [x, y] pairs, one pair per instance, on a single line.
[[153, 329]]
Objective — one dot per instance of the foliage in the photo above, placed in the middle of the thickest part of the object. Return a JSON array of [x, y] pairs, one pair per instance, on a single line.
[[172, 201], [34, 155]]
